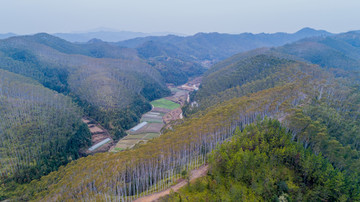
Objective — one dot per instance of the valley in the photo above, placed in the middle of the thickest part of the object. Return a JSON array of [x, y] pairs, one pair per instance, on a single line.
[[165, 111], [214, 117]]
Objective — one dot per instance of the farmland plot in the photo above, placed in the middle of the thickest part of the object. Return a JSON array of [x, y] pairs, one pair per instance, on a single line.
[[98, 135], [164, 110], [165, 104]]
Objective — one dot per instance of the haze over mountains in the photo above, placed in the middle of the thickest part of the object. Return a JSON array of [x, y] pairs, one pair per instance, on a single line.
[[112, 35], [105, 34], [7, 35], [308, 81], [109, 36], [207, 46]]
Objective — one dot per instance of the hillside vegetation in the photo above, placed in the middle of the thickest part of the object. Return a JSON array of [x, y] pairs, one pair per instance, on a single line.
[[40, 130], [239, 76], [340, 51], [160, 162], [214, 46], [273, 123], [114, 86], [339, 54], [262, 163], [178, 57]]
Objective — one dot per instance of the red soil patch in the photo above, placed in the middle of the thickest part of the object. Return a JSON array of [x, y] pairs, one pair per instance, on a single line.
[[98, 134], [192, 85], [179, 97], [173, 115]]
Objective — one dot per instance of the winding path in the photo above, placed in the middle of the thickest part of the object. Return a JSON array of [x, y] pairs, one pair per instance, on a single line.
[[197, 173]]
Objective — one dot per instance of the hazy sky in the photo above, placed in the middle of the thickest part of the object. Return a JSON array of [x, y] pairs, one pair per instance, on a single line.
[[182, 16]]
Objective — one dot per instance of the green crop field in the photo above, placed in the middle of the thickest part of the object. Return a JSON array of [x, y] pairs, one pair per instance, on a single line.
[[164, 103]]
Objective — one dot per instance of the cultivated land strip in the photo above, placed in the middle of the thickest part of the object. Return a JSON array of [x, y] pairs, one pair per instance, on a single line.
[[164, 111], [98, 134]]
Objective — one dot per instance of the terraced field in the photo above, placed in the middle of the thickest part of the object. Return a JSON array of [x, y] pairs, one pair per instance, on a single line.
[[164, 111], [98, 137], [149, 127], [131, 140]]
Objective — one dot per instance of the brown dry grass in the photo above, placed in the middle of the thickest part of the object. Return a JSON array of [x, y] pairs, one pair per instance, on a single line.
[[173, 115]]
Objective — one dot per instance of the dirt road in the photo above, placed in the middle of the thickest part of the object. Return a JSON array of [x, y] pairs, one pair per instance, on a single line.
[[200, 172]]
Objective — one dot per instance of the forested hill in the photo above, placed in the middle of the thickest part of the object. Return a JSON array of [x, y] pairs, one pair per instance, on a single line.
[[308, 105], [341, 51], [114, 89], [94, 48], [261, 68], [48, 84], [312, 151], [243, 74], [328, 125], [180, 57], [262, 163], [40, 130]]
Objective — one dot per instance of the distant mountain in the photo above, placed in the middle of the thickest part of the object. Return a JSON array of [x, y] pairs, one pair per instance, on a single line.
[[214, 46], [7, 35], [94, 48], [306, 32], [108, 35], [223, 81], [336, 51], [192, 54]]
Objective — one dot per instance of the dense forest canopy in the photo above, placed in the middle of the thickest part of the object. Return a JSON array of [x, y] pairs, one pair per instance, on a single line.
[[40, 129], [340, 54], [262, 163], [114, 89], [187, 145]]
